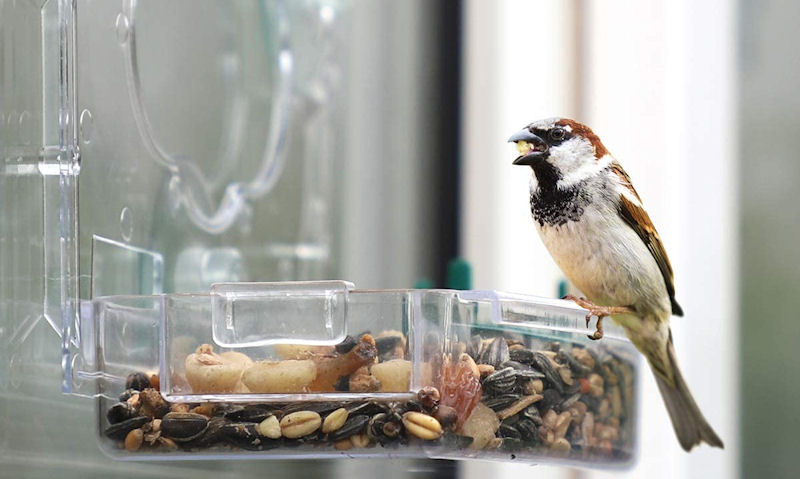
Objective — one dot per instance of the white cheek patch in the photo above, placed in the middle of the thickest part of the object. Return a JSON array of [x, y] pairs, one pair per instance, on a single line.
[[575, 159]]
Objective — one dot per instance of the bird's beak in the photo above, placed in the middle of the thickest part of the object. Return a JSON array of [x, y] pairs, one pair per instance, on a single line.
[[531, 148]]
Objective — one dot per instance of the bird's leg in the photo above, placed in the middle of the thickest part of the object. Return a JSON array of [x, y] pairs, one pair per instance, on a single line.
[[599, 311]]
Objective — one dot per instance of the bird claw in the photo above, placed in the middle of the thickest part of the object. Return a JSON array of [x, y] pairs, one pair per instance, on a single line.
[[594, 310], [598, 333]]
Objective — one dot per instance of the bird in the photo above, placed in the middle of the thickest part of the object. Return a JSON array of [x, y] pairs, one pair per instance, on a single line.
[[592, 222]]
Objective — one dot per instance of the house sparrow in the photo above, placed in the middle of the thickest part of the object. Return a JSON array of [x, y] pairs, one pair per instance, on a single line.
[[593, 223]]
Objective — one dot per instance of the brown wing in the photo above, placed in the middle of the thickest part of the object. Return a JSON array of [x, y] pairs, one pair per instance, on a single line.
[[638, 219], [626, 180]]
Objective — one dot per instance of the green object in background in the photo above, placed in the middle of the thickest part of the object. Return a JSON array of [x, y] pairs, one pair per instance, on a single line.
[[459, 274], [423, 283], [563, 288]]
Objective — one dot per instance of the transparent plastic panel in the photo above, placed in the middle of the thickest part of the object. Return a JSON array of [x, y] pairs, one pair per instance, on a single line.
[[422, 373], [204, 136], [130, 325], [209, 135], [118, 268], [259, 314]]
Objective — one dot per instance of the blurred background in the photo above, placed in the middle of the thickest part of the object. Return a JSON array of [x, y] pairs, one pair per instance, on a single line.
[[394, 161]]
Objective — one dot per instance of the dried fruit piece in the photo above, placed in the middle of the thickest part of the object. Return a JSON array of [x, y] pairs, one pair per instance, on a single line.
[[459, 389], [467, 359], [152, 404], [362, 381], [481, 426], [331, 368]]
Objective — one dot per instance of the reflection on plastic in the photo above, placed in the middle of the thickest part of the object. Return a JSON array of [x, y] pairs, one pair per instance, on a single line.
[[237, 194], [261, 314]]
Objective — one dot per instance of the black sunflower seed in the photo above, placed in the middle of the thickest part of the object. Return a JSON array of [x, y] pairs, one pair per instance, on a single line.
[[527, 429], [139, 381], [250, 413], [542, 363], [501, 402], [496, 353], [120, 412], [211, 434], [183, 426], [242, 434], [119, 430], [508, 431], [353, 425], [501, 381], [523, 356], [346, 345], [551, 398]]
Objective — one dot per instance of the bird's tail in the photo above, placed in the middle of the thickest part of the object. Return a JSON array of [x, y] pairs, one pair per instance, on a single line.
[[689, 423]]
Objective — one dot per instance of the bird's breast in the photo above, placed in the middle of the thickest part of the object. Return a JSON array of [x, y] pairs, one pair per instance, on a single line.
[[604, 258]]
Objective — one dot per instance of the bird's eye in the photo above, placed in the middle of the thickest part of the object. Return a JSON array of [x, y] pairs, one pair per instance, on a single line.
[[557, 134]]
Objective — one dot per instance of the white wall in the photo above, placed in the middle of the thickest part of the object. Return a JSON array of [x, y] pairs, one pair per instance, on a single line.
[[656, 81]]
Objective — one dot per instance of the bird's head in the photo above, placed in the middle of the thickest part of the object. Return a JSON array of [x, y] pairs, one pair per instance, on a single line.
[[560, 146]]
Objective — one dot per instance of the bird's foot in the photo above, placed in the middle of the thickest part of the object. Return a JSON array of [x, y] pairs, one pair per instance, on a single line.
[[599, 312]]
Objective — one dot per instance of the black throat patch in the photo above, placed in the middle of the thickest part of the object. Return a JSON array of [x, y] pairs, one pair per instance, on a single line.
[[554, 206]]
